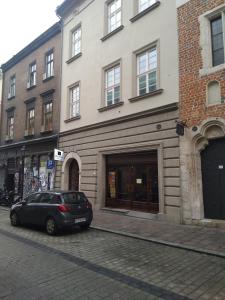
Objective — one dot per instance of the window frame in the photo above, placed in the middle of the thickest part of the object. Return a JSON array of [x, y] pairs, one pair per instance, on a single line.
[[139, 53], [30, 129], [10, 125], [216, 18], [32, 75], [49, 62], [71, 103], [148, 5], [44, 123], [108, 18], [72, 44], [206, 40], [112, 87], [12, 87]]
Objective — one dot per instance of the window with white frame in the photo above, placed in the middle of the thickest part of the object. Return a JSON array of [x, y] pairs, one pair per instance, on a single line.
[[147, 71], [32, 75], [76, 41], [48, 116], [74, 101], [217, 41], [144, 4], [112, 85], [10, 126], [30, 120], [12, 87], [114, 15], [49, 68]]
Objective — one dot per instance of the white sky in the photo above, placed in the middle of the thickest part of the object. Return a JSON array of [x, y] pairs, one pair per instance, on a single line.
[[21, 21]]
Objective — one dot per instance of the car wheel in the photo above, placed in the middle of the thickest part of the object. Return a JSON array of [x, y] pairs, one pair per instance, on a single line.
[[14, 219], [51, 226], [85, 226]]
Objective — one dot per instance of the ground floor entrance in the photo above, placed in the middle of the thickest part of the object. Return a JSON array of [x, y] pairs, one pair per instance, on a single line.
[[213, 179], [132, 181]]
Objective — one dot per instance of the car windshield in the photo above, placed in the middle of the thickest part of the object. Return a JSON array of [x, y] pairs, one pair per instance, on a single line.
[[74, 198]]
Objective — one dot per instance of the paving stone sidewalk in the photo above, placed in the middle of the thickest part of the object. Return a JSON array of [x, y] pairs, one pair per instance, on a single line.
[[198, 238]]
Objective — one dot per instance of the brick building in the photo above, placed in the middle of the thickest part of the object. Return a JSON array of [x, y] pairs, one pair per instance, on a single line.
[[30, 114], [202, 109]]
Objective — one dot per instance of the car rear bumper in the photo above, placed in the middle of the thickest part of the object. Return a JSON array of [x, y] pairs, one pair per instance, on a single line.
[[69, 221]]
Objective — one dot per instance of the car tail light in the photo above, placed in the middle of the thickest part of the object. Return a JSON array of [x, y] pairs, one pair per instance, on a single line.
[[89, 205], [64, 208]]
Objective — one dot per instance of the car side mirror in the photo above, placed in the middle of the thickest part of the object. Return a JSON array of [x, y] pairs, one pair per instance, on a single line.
[[23, 202]]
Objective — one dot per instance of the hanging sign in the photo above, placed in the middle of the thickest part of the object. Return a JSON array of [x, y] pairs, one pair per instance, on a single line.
[[58, 155]]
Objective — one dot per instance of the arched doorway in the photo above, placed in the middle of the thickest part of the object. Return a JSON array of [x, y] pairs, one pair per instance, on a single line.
[[213, 179], [73, 176]]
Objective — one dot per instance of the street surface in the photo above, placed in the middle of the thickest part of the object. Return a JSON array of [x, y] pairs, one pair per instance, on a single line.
[[99, 265]]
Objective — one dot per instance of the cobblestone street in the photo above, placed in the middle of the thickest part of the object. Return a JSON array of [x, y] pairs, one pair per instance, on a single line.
[[99, 265]]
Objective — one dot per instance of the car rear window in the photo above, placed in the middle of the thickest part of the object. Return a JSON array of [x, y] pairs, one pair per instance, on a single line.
[[74, 198]]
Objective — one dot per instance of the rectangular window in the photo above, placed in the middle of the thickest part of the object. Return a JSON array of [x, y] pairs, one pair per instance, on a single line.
[[12, 87], [114, 15], [144, 4], [49, 70], [75, 101], [147, 71], [217, 41], [31, 75], [10, 127], [76, 42], [48, 116], [112, 85], [30, 121]]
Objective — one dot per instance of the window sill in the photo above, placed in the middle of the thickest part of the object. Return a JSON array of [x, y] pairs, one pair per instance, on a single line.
[[74, 58], [12, 97], [31, 87], [104, 108], [72, 119], [29, 135], [9, 140], [112, 33], [45, 131], [216, 103], [144, 12], [147, 95], [48, 78], [211, 70]]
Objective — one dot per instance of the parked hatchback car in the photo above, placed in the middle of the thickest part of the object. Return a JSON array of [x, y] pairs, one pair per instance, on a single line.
[[54, 210]]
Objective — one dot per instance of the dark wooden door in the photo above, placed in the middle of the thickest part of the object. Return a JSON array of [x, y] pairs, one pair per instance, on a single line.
[[213, 179], [74, 176]]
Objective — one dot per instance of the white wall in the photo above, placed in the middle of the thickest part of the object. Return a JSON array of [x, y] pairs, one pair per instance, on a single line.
[[159, 24]]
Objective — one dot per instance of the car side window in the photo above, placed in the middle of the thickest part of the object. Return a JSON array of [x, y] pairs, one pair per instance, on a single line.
[[34, 198], [55, 199], [45, 198]]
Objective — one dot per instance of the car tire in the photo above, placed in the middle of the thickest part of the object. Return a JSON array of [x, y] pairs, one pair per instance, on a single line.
[[85, 226], [51, 226], [14, 219]]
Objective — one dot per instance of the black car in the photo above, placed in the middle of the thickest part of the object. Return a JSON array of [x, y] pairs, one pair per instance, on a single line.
[[54, 210]]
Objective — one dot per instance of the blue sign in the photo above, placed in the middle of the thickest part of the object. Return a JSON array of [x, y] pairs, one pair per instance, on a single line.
[[50, 164]]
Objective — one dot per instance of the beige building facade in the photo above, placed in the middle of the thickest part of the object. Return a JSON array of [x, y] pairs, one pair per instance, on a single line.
[[119, 105]]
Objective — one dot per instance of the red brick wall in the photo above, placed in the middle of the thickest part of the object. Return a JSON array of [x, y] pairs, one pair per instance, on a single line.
[[193, 88]]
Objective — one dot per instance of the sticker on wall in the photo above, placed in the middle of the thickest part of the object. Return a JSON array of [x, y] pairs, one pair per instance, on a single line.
[[139, 181]]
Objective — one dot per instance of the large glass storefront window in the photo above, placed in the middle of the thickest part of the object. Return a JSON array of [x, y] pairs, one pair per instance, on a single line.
[[132, 181]]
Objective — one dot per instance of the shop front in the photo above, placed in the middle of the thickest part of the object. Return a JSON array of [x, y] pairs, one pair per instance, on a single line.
[[132, 181], [28, 168]]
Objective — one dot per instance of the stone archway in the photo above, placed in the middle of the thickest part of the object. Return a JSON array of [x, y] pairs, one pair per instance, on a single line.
[[192, 144], [71, 162]]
